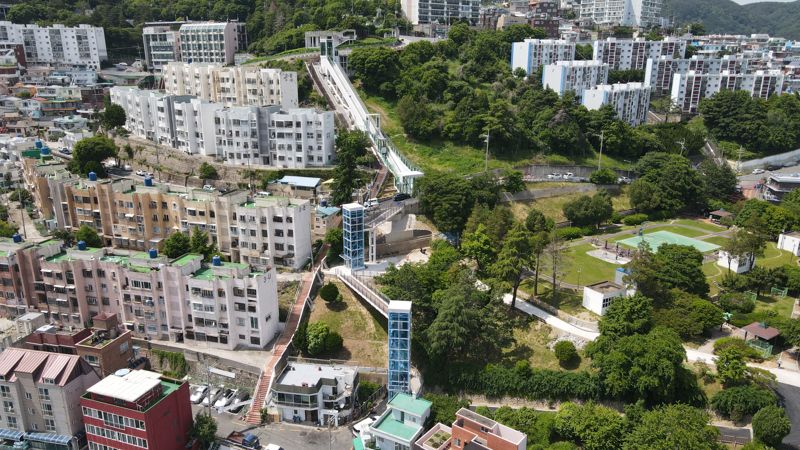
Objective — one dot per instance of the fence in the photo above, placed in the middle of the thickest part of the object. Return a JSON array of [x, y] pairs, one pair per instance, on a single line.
[[362, 285]]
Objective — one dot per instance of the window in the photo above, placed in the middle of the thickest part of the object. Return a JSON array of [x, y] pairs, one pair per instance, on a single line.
[[240, 321], [254, 323], [11, 421], [44, 394], [47, 410], [8, 407], [5, 391], [49, 425]]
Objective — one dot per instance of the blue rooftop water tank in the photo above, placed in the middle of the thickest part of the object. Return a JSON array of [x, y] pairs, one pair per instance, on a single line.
[[44, 151], [39, 144], [17, 238], [216, 261], [81, 245], [148, 181], [92, 176], [153, 253]]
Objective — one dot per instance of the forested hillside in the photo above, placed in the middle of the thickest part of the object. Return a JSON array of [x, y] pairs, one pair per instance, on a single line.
[[725, 16]]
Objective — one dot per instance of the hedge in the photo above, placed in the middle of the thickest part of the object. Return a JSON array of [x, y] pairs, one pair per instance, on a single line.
[[635, 219], [738, 402]]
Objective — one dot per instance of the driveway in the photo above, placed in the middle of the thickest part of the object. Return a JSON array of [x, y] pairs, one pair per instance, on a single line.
[[790, 397]]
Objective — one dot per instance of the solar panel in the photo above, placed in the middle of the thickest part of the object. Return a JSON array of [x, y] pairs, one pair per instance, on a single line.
[[50, 438]]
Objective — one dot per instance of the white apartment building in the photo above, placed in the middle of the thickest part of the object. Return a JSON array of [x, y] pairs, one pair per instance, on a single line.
[[222, 305], [315, 393], [302, 138], [40, 392], [689, 88], [271, 230], [193, 126], [241, 134], [576, 76], [629, 13], [420, 12], [659, 72], [534, 53], [162, 44], [627, 54], [148, 113], [83, 45], [232, 86], [630, 100], [209, 42]]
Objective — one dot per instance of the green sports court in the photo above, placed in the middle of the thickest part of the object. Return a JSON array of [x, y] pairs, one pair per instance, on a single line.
[[657, 238]]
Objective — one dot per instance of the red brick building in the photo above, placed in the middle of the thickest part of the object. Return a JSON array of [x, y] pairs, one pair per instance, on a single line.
[[137, 410], [472, 431]]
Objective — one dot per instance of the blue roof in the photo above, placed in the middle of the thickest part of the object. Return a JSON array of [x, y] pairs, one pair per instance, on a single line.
[[306, 182], [327, 210], [50, 438], [14, 435]]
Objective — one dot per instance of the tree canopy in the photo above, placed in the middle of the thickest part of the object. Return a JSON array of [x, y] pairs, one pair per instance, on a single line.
[[89, 153]]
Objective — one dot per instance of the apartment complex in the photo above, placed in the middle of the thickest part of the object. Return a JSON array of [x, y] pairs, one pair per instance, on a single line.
[[162, 45], [630, 101], [232, 86], [109, 347], [139, 409], [575, 76], [41, 394], [420, 12], [83, 45], [534, 53], [209, 42], [320, 394], [629, 13], [689, 88], [473, 431], [242, 135], [660, 72], [628, 54]]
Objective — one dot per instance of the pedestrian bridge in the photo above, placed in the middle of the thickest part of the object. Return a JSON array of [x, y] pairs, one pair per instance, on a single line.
[[361, 283]]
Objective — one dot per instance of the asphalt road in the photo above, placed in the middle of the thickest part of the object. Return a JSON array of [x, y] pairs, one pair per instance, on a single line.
[[790, 397]]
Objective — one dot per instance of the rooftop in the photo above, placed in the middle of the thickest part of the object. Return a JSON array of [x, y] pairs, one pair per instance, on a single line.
[[303, 375], [304, 182], [186, 259], [393, 427], [762, 330], [407, 403], [53, 366], [129, 387], [605, 287], [326, 211]]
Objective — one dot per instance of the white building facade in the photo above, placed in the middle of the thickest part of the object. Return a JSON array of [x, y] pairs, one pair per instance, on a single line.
[[629, 13], [659, 72], [315, 393], [209, 42], [599, 296], [162, 45], [689, 88], [83, 45], [627, 54], [420, 12], [534, 53], [629, 100], [576, 76]]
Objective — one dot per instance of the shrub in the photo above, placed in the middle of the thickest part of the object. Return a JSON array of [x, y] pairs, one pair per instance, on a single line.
[[722, 344], [736, 302], [603, 176], [770, 425], [635, 219], [737, 402], [615, 218], [366, 389], [569, 233], [329, 292], [321, 340], [565, 351]]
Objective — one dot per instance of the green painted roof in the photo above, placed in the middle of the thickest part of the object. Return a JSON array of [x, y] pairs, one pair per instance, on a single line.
[[67, 256], [409, 404], [357, 444], [186, 259], [398, 429], [207, 274]]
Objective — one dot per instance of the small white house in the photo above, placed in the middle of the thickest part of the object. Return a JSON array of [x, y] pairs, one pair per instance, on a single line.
[[598, 297], [401, 424], [317, 393], [790, 242], [736, 266]]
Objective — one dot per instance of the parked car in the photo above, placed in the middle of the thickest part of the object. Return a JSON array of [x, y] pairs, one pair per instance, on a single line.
[[212, 397], [554, 176], [758, 171], [401, 196], [240, 397], [225, 399], [272, 447], [141, 173], [371, 203], [623, 180], [199, 394], [208, 187], [569, 176], [65, 151]]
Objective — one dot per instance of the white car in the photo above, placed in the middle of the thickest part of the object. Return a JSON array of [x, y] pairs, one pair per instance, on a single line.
[[225, 399], [569, 176], [758, 171], [208, 187], [141, 173], [623, 180], [199, 394], [371, 203], [212, 397], [272, 447], [554, 176]]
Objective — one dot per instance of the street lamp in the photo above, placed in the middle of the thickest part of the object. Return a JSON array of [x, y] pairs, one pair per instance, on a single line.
[[486, 138]]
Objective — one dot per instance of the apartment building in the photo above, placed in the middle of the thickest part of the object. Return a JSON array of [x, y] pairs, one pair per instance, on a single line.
[[630, 101], [243, 135], [472, 431], [689, 88], [209, 42], [83, 45], [162, 45], [534, 53], [575, 76], [109, 347], [232, 86], [629, 13], [137, 409], [633, 54], [659, 72], [401, 424], [41, 394], [316, 393], [19, 265], [420, 12]]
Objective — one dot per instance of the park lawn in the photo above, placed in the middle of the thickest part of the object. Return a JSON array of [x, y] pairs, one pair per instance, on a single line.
[[585, 269], [677, 229], [714, 274], [767, 307], [774, 257], [531, 338], [719, 240], [553, 207], [702, 224], [363, 333]]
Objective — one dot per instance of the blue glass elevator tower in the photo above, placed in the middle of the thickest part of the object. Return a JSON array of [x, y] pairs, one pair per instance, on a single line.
[[399, 347], [353, 236]]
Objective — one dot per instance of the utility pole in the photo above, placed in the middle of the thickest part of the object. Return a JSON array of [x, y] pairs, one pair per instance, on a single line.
[[486, 139], [682, 143], [600, 156]]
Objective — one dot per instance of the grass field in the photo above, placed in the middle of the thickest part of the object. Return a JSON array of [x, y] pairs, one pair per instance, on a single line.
[[710, 227], [363, 333], [553, 207], [586, 269], [532, 337]]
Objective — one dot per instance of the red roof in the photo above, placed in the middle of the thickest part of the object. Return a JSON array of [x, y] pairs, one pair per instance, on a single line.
[[59, 367], [762, 331]]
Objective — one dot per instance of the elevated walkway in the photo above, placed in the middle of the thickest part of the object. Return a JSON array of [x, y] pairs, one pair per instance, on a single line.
[[362, 285]]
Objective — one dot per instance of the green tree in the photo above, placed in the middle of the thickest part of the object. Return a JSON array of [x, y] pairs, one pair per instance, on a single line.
[[565, 351], [444, 406], [626, 316], [377, 68], [671, 427], [737, 402], [200, 243], [672, 177], [7, 229], [587, 210], [335, 241], [204, 429], [478, 246], [514, 259], [513, 181], [321, 340], [731, 367], [672, 266], [176, 244], [89, 235], [603, 176], [417, 117], [536, 221], [593, 426], [689, 315], [329, 292], [208, 171], [771, 425], [113, 117], [21, 195], [350, 146], [89, 153], [720, 180], [65, 236]]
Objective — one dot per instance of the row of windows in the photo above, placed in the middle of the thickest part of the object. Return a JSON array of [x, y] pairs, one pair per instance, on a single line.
[[114, 420], [95, 446], [116, 436]]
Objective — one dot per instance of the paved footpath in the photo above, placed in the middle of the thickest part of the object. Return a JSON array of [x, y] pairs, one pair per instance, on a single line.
[[784, 376]]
